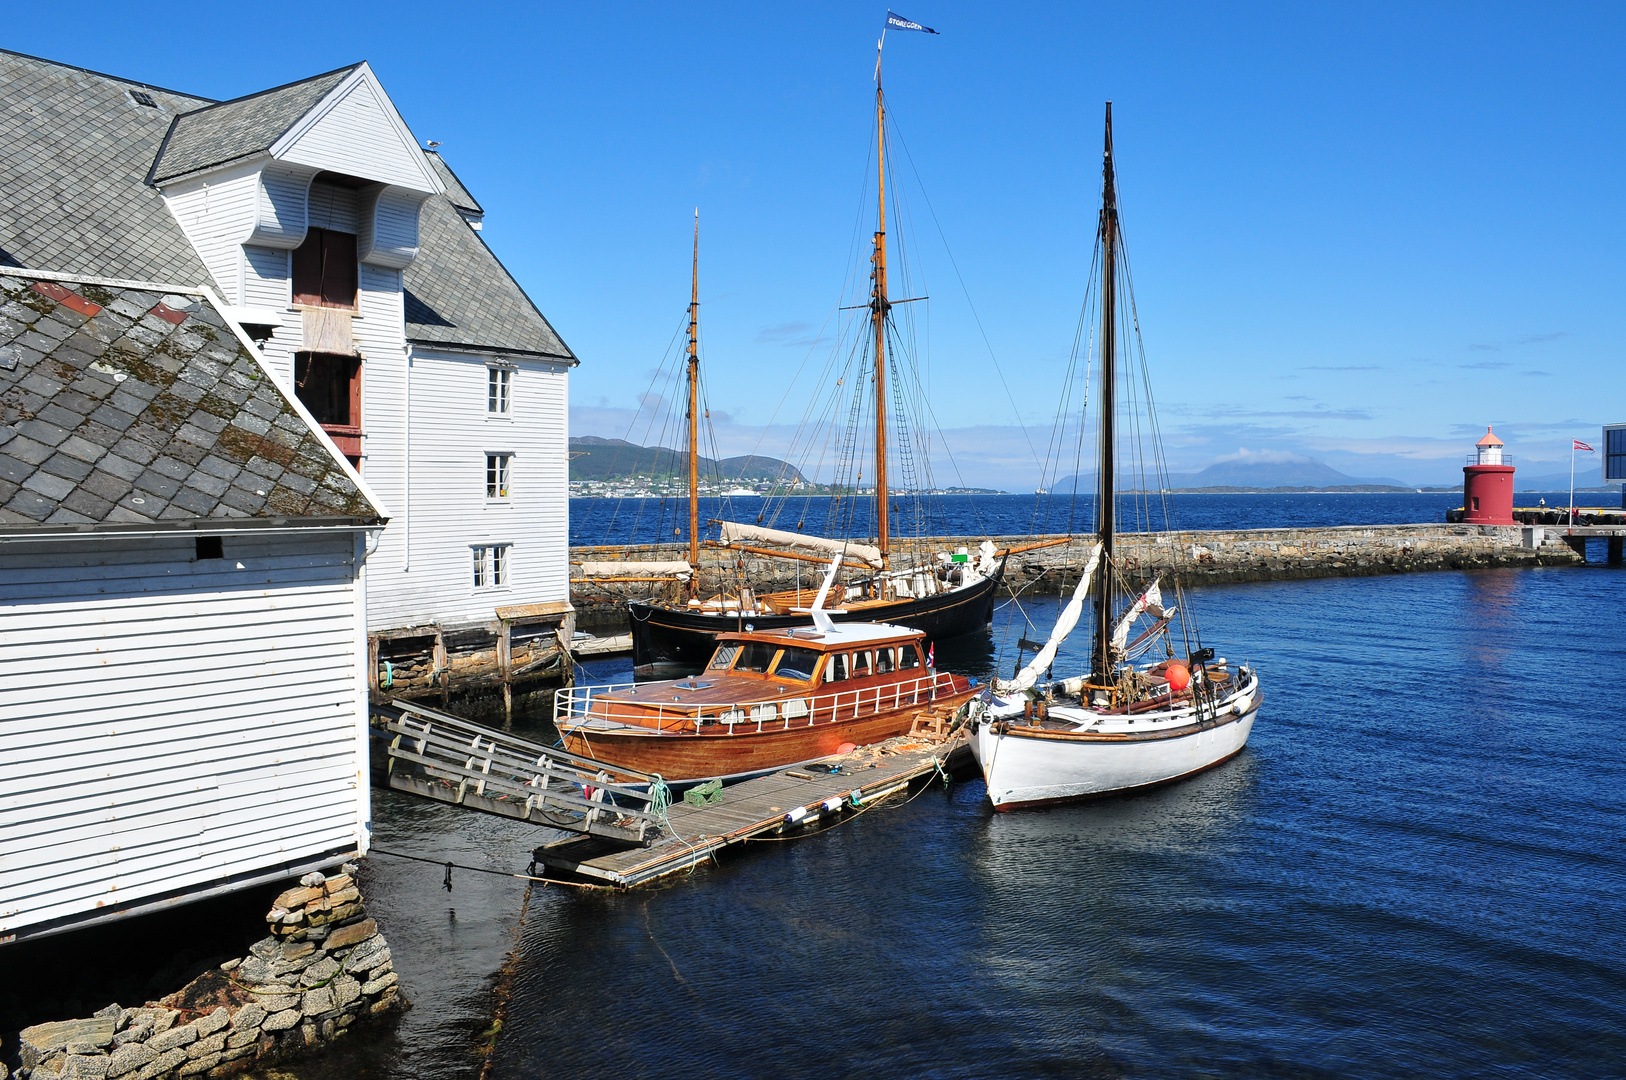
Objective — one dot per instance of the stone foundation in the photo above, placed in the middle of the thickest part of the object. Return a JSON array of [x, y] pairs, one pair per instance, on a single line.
[[323, 967]]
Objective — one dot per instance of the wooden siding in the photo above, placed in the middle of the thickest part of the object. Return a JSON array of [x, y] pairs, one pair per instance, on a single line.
[[448, 512], [167, 722], [333, 206], [388, 235], [280, 216], [265, 278], [217, 214], [359, 134]]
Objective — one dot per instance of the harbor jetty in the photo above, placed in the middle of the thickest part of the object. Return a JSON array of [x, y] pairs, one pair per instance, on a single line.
[[1201, 557]]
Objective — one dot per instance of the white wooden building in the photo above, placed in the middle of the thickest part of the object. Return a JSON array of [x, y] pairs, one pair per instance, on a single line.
[[356, 258], [183, 683]]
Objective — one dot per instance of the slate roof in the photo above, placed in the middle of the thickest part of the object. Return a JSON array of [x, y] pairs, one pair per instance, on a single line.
[[457, 293], [74, 149], [231, 130], [455, 191], [127, 406]]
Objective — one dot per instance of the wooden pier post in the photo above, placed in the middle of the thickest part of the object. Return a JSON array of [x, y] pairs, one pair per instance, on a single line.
[[505, 670]]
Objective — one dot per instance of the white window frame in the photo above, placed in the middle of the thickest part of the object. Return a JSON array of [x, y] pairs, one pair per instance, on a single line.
[[499, 391], [492, 566], [503, 489]]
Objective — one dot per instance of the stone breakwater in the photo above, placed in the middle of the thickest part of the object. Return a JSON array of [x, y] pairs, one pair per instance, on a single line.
[[322, 967], [1198, 557]]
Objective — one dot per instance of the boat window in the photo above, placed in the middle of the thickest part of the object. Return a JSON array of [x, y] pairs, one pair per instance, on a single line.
[[860, 665], [755, 657], [797, 664], [883, 661], [723, 657], [909, 656], [836, 669]]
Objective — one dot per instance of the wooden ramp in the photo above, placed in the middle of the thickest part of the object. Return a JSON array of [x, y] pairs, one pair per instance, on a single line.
[[781, 803], [452, 760]]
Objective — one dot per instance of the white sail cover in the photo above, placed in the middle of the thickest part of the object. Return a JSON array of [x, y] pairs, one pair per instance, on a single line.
[[734, 531], [1153, 598], [1064, 626], [641, 569]]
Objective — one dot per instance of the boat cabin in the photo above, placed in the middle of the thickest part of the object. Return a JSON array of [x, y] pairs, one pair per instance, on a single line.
[[793, 674]]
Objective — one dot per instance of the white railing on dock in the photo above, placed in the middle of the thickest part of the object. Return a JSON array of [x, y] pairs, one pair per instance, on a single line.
[[574, 706]]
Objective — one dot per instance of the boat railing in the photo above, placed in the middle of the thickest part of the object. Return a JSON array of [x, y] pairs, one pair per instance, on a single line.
[[576, 705]]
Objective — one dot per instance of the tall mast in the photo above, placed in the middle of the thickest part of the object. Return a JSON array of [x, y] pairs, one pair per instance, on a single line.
[[879, 306], [694, 408], [1101, 660]]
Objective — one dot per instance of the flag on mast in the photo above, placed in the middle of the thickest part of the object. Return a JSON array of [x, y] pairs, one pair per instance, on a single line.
[[1579, 445], [898, 22]]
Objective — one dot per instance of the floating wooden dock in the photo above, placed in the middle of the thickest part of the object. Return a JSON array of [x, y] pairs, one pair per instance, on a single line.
[[785, 803]]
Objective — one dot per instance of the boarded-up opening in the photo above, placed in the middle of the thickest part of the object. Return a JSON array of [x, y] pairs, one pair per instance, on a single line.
[[324, 269]]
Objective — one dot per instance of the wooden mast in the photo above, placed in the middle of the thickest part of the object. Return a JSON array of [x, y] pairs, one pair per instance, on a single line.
[[694, 412], [1101, 659], [879, 307]]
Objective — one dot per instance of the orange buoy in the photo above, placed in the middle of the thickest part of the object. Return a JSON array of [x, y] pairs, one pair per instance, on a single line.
[[846, 748], [1178, 674]]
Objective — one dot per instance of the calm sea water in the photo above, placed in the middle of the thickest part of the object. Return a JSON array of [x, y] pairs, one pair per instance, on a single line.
[[647, 521], [1415, 869]]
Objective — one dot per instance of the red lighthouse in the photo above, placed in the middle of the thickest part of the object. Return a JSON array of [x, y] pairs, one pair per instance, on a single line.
[[1487, 485]]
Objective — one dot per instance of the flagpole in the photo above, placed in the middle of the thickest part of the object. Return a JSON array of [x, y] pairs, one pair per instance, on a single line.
[[1572, 481]]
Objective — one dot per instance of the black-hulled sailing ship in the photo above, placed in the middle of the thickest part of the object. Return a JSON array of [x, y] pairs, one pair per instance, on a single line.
[[944, 594]]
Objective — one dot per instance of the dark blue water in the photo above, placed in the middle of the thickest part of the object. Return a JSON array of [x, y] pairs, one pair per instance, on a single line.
[[648, 521], [1414, 870]]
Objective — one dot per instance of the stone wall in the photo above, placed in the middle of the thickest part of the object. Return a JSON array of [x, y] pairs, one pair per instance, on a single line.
[[1198, 557], [323, 966]]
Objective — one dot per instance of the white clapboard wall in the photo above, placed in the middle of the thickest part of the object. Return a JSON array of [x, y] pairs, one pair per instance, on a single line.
[[169, 724]]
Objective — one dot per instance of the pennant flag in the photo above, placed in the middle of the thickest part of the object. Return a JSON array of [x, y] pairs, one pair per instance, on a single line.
[[1579, 445], [898, 22]]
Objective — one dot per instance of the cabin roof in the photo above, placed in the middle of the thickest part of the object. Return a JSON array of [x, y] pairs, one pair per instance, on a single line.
[[124, 404], [845, 635]]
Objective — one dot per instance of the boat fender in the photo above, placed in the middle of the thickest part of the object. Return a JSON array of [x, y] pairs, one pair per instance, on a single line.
[[832, 804], [793, 816]]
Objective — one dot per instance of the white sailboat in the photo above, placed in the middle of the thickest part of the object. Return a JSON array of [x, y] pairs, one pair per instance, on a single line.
[[1124, 725]]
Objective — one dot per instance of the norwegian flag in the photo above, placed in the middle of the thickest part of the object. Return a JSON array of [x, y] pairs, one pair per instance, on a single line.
[[931, 655], [1579, 445]]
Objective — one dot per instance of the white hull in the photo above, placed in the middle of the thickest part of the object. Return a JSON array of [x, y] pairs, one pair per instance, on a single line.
[[1024, 767]]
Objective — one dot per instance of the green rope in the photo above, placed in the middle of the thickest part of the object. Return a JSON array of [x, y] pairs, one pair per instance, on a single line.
[[660, 799]]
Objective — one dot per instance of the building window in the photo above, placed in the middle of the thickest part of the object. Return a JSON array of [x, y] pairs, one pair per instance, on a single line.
[[1614, 449], [498, 382], [498, 467], [329, 385], [324, 269], [491, 566], [1476, 502]]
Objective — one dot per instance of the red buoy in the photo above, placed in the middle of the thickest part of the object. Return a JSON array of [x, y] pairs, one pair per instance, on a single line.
[[1178, 674]]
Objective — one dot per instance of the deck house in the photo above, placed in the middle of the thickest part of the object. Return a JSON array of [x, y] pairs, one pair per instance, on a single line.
[[356, 259], [183, 685]]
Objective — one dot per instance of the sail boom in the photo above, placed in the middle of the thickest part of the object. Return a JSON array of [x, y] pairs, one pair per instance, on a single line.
[[735, 531]]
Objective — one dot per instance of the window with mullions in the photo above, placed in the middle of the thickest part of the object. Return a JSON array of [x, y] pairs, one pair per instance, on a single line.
[[491, 566], [499, 382], [498, 467], [1614, 449]]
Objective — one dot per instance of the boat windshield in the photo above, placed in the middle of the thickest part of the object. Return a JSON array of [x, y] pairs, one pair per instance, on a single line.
[[723, 657], [797, 664], [755, 657]]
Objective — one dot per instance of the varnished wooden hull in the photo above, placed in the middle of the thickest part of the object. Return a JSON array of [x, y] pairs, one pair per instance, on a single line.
[[682, 757], [670, 640]]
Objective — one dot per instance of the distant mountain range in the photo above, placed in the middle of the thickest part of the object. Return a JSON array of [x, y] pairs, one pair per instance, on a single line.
[[593, 458], [1252, 475]]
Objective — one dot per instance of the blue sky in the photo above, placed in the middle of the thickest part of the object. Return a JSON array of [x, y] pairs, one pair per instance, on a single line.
[[1359, 232]]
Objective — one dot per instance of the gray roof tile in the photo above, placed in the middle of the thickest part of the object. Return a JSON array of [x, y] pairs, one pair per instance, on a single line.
[[232, 130], [179, 457]]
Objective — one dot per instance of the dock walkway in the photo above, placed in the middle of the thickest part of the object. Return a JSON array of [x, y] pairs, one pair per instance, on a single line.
[[779, 804]]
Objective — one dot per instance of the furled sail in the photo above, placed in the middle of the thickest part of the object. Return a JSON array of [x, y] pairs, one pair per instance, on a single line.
[[623, 569], [1150, 600], [1064, 626], [735, 531]]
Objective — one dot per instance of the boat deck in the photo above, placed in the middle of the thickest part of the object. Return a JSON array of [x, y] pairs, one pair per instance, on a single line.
[[758, 808]]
